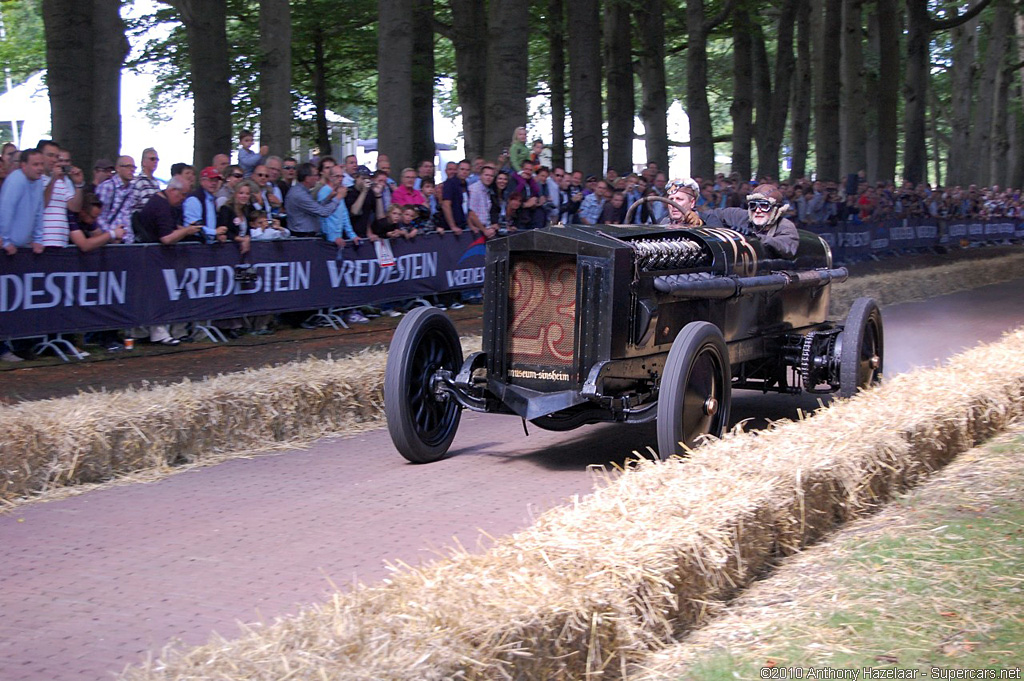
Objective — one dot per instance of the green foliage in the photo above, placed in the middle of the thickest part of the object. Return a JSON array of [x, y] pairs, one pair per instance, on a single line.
[[348, 62], [23, 46]]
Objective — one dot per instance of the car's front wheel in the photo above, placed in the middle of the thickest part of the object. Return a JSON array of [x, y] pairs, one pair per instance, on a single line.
[[422, 424]]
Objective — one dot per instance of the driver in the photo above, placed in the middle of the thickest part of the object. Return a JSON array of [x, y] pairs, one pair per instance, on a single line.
[[682, 191], [763, 219]]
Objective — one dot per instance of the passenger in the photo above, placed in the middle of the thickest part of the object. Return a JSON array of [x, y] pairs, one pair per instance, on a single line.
[[763, 219]]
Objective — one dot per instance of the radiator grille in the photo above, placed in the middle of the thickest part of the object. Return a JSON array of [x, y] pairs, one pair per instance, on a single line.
[[542, 317]]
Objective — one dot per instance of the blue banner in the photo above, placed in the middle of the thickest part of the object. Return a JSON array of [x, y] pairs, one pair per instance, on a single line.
[[65, 290]]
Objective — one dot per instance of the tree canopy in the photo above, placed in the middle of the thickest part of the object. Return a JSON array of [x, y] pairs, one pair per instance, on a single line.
[[915, 88]]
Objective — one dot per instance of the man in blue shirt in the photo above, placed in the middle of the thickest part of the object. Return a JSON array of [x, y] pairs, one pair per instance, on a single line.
[[21, 205], [201, 206]]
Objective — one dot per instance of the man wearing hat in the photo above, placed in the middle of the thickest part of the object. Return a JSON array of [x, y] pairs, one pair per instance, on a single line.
[[682, 192], [101, 172], [201, 206], [763, 219]]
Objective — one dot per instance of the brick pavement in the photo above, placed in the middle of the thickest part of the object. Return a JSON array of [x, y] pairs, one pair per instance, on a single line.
[[92, 583]]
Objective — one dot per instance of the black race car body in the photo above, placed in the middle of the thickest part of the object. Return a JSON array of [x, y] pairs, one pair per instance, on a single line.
[[584, 324]]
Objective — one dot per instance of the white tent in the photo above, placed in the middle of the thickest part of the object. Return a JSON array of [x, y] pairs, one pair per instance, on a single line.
[[27, 107]]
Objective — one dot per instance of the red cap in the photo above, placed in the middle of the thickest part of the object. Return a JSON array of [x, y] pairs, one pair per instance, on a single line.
[[210, 173]]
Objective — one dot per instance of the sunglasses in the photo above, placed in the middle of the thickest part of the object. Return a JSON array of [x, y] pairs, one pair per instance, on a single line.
[[289, 167], [261, 174], [238, 175], [761, 205]]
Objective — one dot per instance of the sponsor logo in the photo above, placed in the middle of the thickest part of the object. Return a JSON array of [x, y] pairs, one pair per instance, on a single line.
[[38, 290], [195, 283], [363, 273]]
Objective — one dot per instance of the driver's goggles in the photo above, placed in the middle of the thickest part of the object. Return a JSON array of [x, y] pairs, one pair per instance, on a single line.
[[761, 205]]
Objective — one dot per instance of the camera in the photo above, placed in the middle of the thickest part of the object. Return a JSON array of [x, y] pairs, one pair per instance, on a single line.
[[246, 275]]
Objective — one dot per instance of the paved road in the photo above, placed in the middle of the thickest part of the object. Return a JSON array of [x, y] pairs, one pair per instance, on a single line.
[[96, 582]]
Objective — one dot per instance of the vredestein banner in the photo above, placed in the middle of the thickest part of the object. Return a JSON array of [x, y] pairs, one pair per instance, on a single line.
[[65, 290], [114, 287]]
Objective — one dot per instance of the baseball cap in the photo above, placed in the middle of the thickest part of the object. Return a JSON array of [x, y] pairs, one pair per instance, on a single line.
[[591, 178], [210, 173], [103, 164], [363, 170]]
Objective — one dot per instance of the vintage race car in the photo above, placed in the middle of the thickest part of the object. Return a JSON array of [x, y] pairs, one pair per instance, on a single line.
[[585, 324]]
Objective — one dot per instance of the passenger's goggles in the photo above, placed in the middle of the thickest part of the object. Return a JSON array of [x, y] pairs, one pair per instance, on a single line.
[[762, 205]]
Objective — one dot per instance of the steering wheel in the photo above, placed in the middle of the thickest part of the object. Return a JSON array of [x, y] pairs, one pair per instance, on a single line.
[[650, 198]]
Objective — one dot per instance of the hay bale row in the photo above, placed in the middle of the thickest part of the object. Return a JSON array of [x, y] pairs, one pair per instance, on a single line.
[[593, 585], [889, 288], [92, 437]]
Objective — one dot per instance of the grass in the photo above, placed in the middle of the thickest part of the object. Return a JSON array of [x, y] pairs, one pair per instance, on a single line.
[[934, 581]]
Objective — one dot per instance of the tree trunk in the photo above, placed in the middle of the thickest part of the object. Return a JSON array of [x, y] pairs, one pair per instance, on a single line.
[[770, 143], [887, 124], [651, 27], [394, 84], [826, 130], [762, 92], [936, 142], [1017, 171], [702, 145], [915, 91], [556, 65], [507, 69], [999, 49], [742, 107], [323, 136], [275, 66], [920, 26], [422, 114], [962, 73], [206, 27], [619, 73], [85, 49], [585, 87], [109, 52], [469, 38], [802, 91], [853, 111]]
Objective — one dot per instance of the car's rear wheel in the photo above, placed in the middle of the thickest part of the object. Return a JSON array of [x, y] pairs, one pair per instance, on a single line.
[[696, 389], [421, 424], [861, 352]]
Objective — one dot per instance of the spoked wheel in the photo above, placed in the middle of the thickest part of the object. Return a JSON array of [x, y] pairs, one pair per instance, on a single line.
[[861, 353], [421, 425], [696, 390]]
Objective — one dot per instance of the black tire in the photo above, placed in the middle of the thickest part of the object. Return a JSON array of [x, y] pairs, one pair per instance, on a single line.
[[696, 389], [862, 350], [421, 426]]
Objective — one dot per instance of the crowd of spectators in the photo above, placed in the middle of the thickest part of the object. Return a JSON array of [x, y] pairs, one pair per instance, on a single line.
[[46, 201], [858, 201]]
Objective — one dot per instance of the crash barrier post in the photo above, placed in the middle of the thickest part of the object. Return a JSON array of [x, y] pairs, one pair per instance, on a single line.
[[64, 290]]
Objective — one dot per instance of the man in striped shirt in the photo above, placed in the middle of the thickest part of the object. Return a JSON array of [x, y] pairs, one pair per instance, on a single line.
[[63, 192]]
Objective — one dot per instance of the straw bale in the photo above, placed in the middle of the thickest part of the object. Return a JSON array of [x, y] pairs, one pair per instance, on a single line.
[[902, 286], [593, 585]]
